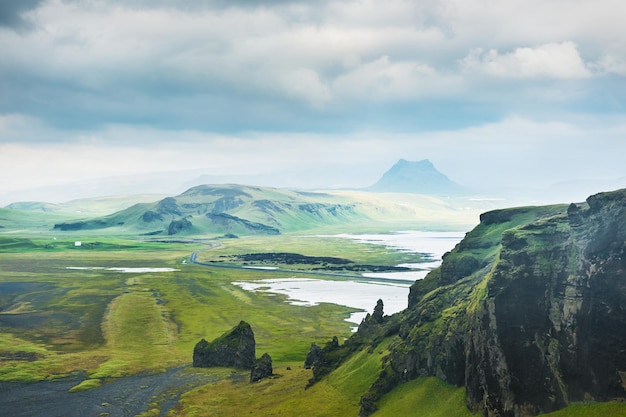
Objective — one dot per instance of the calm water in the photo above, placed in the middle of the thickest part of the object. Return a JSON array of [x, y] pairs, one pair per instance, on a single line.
[[430, 245], [361, 293]]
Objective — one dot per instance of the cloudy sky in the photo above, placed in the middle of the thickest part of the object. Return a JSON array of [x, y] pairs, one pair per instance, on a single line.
[[312, 93]]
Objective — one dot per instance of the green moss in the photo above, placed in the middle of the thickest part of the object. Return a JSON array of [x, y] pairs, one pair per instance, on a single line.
[[358, 372], [231, 338], [612, 409], [86, 385], [424, 397]]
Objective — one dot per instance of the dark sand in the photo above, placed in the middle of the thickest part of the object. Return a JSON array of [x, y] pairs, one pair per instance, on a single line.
[[118, 397]]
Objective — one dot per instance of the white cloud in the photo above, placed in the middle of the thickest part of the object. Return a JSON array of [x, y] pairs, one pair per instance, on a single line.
[[513, 152], [310, 65], [256, 48], [383, 79], [613, 62], [552, 60]]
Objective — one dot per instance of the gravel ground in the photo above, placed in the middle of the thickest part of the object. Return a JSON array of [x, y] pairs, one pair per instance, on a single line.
[[120, 397]]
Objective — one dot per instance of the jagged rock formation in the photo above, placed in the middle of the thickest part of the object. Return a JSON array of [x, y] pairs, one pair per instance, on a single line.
[[326, 359], [235, 348], [314, 356], [419, 177], [262, 368], [527, 312]]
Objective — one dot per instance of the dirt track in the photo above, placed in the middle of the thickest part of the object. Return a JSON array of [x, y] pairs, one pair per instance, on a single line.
[[120, 397]]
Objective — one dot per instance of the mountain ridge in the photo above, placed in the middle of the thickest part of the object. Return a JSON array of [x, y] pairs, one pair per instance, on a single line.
[[246, 209], [228, 208]]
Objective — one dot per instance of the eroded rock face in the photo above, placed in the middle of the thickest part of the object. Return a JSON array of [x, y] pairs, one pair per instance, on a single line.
[[551, 329], [235, 348], [534, 324]]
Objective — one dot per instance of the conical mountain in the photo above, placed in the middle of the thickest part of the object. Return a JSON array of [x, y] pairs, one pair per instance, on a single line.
[[419, 177]]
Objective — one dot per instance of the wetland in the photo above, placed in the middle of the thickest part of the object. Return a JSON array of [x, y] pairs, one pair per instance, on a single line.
[[115, 323]]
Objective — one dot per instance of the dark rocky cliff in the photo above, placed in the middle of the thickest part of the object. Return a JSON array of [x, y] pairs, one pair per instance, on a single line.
[[528, 312]]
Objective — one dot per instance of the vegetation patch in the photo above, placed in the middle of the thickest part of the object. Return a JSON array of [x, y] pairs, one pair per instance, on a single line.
[[426, 397], [613, 409], [86, 385], [137, 334], [290, 258]]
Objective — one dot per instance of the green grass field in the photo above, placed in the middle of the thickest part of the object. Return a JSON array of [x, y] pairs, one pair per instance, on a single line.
[[111, 323], [56, 321]]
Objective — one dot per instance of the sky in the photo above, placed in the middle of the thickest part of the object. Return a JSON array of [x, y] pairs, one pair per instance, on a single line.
[[311, 94]]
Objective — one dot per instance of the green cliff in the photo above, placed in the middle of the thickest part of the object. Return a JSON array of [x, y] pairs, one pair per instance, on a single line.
[[527, 313]]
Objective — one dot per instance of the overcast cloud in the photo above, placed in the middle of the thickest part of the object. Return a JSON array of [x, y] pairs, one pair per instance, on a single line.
[[509, 93]]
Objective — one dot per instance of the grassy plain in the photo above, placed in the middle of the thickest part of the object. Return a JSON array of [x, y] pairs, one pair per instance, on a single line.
[[109, 323], [104, 323]]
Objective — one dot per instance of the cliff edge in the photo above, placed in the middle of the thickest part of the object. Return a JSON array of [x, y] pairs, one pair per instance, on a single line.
[[528, 312]]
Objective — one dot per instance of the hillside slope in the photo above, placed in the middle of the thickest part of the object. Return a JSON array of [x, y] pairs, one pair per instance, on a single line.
[[243, 210], [527, 312], [235, 209]]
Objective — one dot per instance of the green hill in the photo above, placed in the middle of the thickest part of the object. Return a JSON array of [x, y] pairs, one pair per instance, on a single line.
[[243, 210], [92, 206], [12, 220]]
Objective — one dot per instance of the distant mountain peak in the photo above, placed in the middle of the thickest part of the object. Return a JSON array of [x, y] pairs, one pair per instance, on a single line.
[[418, 177]]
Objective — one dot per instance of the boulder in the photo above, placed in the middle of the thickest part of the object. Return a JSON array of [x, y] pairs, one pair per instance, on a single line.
[[262, 368]]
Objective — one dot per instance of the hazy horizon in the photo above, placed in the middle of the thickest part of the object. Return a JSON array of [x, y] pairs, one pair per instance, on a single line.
[[146, 97]]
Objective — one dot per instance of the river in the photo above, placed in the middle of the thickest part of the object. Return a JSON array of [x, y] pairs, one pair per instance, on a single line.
[[363, 293]]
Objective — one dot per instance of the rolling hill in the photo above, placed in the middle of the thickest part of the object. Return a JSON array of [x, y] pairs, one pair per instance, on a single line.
[[243, 210], [220, 209]]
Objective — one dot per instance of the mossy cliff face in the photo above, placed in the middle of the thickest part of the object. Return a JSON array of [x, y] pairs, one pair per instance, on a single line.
[[528, 312]]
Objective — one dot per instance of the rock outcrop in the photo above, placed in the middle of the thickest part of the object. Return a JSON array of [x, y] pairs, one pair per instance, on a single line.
[[235, 348], [262, 368], [527, 312], [314, 356], [177, 226]]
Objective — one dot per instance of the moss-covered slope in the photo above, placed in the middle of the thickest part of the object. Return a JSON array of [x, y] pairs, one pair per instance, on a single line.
[[527, 312]]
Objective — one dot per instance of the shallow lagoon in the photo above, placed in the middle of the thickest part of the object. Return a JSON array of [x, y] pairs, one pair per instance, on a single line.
[[430, 245], [358, 294], [363, 294]]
